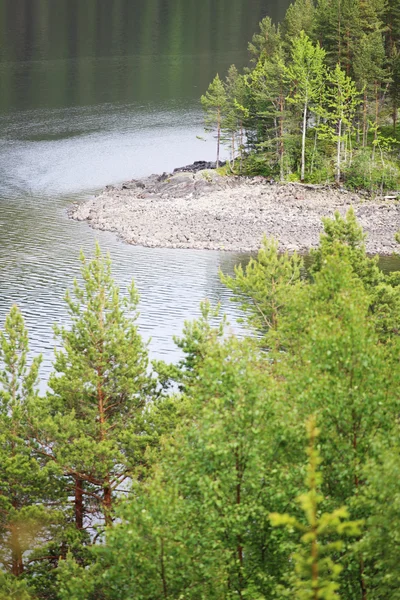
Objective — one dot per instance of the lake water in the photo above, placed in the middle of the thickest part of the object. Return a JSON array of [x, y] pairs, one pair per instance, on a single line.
[[93, 92]]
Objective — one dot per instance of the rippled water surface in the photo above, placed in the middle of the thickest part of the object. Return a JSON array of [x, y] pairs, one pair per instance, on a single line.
[[94, 92]]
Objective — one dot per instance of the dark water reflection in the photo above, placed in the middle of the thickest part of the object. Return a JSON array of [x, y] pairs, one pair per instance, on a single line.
[[93, 92]]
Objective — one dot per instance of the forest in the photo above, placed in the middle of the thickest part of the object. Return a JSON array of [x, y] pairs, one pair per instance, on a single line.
[[319, 101], [264, 466]]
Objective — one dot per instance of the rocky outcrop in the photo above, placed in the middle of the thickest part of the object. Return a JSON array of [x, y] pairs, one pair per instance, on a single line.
[[201, 209]]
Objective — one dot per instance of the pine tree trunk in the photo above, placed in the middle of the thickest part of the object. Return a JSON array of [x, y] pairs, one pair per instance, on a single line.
[[17, 565], [107, 503], [303, 143], [79, 503]]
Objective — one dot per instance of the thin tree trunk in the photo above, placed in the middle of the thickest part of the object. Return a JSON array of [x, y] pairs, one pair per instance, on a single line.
[[281, 142], [350, 146], [107, 503], [241, 146], [376, 118], [79, 503], [339, 144], [218, 135], [365, 107], [17, 565], [315, 146], [303, 143], [339, 34]]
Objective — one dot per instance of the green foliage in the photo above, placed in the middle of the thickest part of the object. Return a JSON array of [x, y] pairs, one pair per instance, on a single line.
[[316, 572], [320, 88], [28, 488], [214, 104], [382, 499], [95, 423], [344, 236], [13, 589], [299, 17], [305, 73], [200, 528], [262, 287], [368, 173], [191, 470], [266, 42]]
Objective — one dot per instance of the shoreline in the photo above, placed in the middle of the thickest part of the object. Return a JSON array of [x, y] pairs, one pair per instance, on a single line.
[[199, 209]]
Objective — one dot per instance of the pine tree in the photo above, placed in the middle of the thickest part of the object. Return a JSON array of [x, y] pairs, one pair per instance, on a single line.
[[96, 431], [200, 528], [27, 488], [395, 84], [300, 16], [338, 29], [370, 73], [266, 42], [269, 90], [214, 104]]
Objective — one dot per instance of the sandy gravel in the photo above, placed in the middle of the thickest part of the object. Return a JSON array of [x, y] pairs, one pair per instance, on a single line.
[[204, 210]]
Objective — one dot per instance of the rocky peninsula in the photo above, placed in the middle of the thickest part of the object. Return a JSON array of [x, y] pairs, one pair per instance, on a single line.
[[194, 207]]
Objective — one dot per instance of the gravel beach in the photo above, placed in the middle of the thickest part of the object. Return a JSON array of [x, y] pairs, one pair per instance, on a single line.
[[206, 211]]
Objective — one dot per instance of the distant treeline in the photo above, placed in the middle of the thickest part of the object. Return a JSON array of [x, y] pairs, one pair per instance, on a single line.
[[320, 99]]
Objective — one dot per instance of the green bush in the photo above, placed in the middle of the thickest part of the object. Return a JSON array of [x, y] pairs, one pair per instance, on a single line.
[[366, 172]]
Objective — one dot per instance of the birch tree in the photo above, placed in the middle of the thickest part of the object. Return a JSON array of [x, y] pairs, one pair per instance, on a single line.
[[214, 104], [305, 75]]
